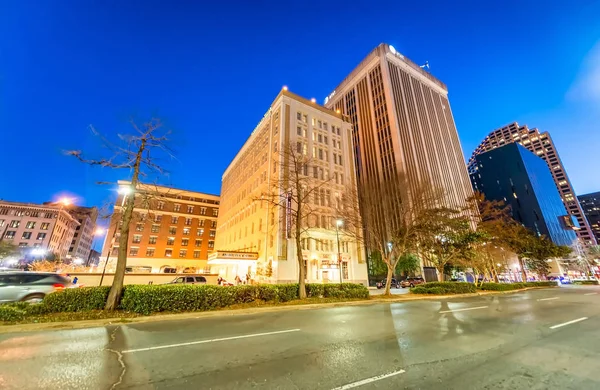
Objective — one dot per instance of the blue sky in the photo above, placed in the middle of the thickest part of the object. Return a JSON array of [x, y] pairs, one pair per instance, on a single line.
[[211, 69]]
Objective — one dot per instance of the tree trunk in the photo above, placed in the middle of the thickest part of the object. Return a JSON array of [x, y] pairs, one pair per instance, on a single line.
[[388, 279], [495, 273], [523, 272], [114, 296], [440, 273], [301, 275]]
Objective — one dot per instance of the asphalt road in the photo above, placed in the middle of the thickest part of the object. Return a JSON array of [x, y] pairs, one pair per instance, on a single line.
[[538, 339]]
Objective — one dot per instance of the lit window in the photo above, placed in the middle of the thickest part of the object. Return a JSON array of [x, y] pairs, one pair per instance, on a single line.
[[150, 252], [133, 251]]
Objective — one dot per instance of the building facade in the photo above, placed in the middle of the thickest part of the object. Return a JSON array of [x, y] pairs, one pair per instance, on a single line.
[[48, 228], [590, 204], [521, 179], [172, 230], [541, 144], [254, 237], [81, 244]]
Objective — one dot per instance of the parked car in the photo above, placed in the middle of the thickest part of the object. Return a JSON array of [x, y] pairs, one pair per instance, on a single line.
[[189, 280], [30, 286], [411, 282], [394, 284]]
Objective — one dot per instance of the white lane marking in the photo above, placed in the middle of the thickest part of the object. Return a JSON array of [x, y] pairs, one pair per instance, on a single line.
[[547, 299], [465, 309], [569, 323], [211, 341], [369, 380], [590, 294]]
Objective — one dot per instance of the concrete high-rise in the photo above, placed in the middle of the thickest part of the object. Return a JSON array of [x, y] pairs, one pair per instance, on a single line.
[[590, 203], [541, 144], [402, 126], [254, 237]]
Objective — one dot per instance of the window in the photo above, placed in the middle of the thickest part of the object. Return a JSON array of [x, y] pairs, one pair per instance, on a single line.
[[158, 218], [202, 210], [211, 244], [320, 154], [45, 225], [1, 222], [150, 252], [315, 172], [185, 242], [160, 205], [215, 212], [196, 254], [48, 215], [19, 213], [298, 147], [212, 233], [152, 240], [155, 228], [325, 140], [305, 118], [182, 253], [299, 130], [3, 211], [170, 240], [338, 131], [320, 138], [188, 221], [325, 125], [320, 124], [213, 224], [31, 225], [173, 219], [198, 243], [139, 227], [314, 154], [133, 251], [15, 223], [190, 209], [168, 252], [186, 231], [172, 230], [26, 235], [137, 238], [9, 235], [200, 232], [201, 223], [41, 236], [299, 116]]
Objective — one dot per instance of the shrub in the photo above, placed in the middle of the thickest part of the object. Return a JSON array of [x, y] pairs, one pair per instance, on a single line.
[[11, 312], [76, 299], [286, 292], [514, 286], [315, 290], [595, 282], [444, 288]]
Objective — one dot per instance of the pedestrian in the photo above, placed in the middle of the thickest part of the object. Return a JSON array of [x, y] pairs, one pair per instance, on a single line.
[[75, 279], [220, 281], [238, 280]]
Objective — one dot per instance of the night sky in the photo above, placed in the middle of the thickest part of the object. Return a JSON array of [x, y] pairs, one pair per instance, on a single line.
[[211, 69]]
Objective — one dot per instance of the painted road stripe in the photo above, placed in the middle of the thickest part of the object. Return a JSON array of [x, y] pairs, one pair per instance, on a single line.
[[547, 299], [569, 323], [590, 294], [210, 341], [369, 380], [465, 309]]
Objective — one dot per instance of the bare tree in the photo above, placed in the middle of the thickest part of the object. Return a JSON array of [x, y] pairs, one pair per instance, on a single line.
[[136, 155], [391, 217], [297, 191]]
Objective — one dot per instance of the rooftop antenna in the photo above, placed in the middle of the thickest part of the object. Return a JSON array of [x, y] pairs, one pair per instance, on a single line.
[[426, 66]]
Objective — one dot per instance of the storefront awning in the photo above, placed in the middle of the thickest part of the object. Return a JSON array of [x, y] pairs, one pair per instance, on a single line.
[[232, 257]]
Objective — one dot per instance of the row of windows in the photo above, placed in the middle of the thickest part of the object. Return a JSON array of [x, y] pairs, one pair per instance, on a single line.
[[190, 209], [10, 234], [20, 213], [140, 226], [134, 251], [324, 245], [317, 123], [137, 239], [30, 225]]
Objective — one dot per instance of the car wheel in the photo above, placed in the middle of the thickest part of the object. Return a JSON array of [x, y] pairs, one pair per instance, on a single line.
[[412, 285], [33, 298], [403, 286]]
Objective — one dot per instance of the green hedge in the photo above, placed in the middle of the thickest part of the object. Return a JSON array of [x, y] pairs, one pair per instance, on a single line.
[[594, 282], [515, 286], [76, 299], [147, 299], [442, 288]]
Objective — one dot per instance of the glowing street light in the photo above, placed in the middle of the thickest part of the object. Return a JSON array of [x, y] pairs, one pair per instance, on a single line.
[[125, 190], [38, 252], [99, 231]]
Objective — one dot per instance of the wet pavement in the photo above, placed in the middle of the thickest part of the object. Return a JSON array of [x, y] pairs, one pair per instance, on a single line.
[[537, 339]]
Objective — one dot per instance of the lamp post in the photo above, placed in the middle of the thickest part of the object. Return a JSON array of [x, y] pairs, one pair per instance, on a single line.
[[338, 224], [123, 191]]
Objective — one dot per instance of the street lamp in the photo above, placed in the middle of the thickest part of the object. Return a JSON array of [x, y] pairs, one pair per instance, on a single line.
[[338, 224]]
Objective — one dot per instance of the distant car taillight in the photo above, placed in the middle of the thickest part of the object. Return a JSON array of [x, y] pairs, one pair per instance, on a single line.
[[58, 286]]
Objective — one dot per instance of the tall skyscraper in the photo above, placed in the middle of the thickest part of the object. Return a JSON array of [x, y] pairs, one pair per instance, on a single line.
[[256, 237], [516, 176], [403, 128], [541, 144], [590, 203]]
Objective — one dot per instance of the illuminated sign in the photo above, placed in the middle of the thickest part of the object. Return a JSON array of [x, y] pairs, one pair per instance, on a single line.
[[328, 98]]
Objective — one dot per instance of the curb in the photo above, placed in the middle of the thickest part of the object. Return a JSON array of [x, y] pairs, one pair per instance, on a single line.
[[20, 328]]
